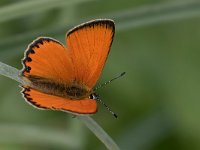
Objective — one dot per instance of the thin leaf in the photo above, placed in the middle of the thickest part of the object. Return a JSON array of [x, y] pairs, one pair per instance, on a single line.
[[24, 8]]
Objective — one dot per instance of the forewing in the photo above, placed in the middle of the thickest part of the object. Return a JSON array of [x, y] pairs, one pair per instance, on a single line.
[[89, 45], [47, 58]]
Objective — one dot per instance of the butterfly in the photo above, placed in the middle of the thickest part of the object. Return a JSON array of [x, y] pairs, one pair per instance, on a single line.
[[62, 77]]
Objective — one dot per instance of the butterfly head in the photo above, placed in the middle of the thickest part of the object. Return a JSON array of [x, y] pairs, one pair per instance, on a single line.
[[94, 96]]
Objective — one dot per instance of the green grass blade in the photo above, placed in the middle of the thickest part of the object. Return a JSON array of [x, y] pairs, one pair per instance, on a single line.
[[9, 72], [20, 133], [13, 73], [157, 13], [132, 18], [99, 132], [24, 8]]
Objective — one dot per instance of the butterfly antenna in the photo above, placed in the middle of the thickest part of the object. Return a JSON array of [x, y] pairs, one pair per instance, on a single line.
[[114, 114], [102, 85]]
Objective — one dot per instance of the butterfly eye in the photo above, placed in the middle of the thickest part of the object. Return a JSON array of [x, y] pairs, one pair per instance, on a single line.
[[93, 96]]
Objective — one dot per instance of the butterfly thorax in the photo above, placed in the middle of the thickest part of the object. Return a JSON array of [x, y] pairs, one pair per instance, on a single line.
[[74, 90]]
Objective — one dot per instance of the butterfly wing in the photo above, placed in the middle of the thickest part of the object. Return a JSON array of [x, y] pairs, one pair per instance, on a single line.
[[89, 45], [47, 58], [46, 101], [83, 61]]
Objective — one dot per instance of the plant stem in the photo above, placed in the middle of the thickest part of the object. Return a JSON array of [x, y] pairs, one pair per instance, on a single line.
[[99, 132], [9, 72], [13, 73]]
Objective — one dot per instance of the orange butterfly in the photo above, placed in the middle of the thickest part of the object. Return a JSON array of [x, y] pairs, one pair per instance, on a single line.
[[62, 78]]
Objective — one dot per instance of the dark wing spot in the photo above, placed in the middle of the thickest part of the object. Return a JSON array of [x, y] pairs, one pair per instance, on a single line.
[[29, 59], [32, 51]]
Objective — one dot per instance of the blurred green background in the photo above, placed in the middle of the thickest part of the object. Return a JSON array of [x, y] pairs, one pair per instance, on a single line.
[[158, 100]]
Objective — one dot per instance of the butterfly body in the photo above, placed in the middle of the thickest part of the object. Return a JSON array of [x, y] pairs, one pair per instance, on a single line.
[[63, 77], [72, 90]]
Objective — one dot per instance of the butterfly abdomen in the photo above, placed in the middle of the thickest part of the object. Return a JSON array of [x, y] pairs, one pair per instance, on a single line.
[[57, 88]]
